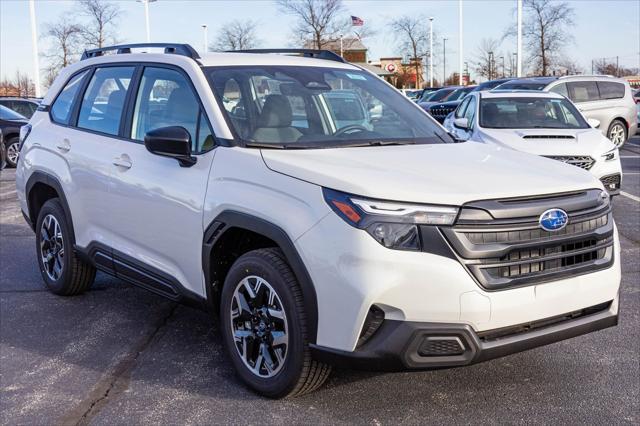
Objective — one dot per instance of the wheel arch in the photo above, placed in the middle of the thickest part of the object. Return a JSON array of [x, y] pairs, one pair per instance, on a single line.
[[40, 188], [215, 265]]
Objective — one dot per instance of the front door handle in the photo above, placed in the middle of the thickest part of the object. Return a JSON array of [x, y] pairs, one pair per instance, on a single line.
[[123, 161], [64, 146]]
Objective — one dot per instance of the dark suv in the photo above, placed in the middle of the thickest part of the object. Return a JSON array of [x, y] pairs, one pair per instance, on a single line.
[[10, 123], [23, 106]]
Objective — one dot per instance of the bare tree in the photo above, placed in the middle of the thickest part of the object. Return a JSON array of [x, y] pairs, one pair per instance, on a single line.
[[64, 37], [236, 35], [318, 21], [485, 58], [412, 34], [568, 66], [20, 85], [546, 32], [102, 17], [608, 67]]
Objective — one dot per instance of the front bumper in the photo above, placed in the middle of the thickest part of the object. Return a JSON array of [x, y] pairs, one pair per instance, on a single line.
[[403, 345]]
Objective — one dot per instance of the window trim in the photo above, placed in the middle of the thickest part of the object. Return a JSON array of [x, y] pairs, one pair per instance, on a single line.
[[129, 100]]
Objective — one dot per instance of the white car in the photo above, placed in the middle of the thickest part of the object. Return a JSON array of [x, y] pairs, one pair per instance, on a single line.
[[385, 246], [540, 123]]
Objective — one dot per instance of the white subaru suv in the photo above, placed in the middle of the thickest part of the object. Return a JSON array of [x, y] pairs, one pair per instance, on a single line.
[[237, 183]]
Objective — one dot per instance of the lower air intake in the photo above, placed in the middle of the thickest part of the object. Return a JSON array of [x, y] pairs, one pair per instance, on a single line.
[[441, 346]]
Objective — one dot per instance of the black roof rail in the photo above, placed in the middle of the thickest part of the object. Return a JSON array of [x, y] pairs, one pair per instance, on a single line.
[[173, 48], [307, 53]]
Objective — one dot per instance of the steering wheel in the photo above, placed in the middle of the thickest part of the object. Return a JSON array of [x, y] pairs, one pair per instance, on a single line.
[[350, 129]]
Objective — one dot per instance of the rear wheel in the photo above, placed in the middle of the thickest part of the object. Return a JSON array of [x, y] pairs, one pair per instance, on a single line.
[[12, 150], [265, 329], [62, 271], [617, 133]]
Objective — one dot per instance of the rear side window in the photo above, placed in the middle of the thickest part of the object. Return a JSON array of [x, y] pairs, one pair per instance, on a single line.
[[62, 106], [610, 90], [103, 101], [560, 89], [583, 91]]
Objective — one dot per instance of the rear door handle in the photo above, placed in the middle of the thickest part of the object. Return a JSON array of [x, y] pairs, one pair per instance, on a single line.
[[64, 146], [123, 161]]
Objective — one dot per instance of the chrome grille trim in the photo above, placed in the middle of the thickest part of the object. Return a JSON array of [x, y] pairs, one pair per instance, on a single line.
[[513, 252], [582, 161]]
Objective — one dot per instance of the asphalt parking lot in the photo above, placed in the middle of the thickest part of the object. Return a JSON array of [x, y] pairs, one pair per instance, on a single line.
[[121, 355]]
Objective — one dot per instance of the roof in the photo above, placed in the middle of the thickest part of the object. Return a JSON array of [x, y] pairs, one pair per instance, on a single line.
[[348, 44], [519, 94], [379, 71], [546, 80]]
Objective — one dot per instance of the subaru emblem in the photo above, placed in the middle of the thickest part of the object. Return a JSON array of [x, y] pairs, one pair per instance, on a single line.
[[553, 220]]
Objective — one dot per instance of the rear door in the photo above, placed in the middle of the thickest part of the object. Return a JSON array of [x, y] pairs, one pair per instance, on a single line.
[[155, 205], [586, 97]]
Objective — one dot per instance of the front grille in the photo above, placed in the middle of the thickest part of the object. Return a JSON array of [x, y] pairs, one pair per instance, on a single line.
[[440, 113], [582, 161], [611, 182], [513, 250]]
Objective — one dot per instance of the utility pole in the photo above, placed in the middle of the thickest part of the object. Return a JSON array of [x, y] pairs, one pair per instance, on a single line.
[[460, 55], [205, 47], [502, 57], [617, 67], [145, 3], [519, 58], [431, 51], [341, 45], [466, 72], [444, 60], [490, 65], [34, 47]]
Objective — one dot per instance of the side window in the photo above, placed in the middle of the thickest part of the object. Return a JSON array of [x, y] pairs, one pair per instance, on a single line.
[[610, 90], [460, 111], [583, 91], [560, 89], [62, 106], [165, 98], [470, 113], [103, 101], [205, 135]]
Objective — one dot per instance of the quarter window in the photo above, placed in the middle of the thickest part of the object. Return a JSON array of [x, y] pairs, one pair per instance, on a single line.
[[560, 89], [610, 90], [462, 108], [470, 113], [103, 101], [583, 91], [165, 98], [61, 108]]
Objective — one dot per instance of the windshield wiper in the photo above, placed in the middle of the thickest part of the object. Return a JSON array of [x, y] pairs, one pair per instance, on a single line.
[[265, 145], [385, 143]]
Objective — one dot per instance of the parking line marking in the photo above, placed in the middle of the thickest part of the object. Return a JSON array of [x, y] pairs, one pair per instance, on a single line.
[[632, 197], [630, 156]]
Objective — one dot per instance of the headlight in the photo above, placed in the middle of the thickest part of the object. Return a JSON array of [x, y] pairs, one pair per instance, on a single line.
[[392, 224], [610, 155]]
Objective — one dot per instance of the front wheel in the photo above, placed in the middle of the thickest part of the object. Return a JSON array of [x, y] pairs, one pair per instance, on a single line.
[[617, 133], [264, 326]]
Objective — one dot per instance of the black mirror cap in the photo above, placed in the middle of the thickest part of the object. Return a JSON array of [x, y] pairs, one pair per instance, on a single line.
[[173, 142]]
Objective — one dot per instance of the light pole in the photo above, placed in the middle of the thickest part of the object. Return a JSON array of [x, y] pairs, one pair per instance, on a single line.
[[205, 36], [145, 3], [460, 55], [34, 47], [431, 51], [444, 60], [519, 57], [490, 65], [502, 57]]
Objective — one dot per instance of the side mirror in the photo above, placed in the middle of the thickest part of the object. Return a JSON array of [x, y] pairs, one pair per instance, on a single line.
[[173, 142], [593, 122], [461, 123]]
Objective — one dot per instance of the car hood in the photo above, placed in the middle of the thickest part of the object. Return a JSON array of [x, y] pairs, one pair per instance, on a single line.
[[450, 174], [553, 142], [453, 104]]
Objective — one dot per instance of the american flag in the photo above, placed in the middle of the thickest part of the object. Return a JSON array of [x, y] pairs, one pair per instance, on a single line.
[[356, 22]]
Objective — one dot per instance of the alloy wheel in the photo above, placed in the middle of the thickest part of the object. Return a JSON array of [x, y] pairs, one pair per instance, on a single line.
[[617, 134], [52, 247], [259, 326], [13, 153]]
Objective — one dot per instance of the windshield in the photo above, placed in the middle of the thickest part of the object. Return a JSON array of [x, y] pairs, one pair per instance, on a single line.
[[438, 95], [305, 107], [530, 113], [521, 86], [7, 114], [458, 94]]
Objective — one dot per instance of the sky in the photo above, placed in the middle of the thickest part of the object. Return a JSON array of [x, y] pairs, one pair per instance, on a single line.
[[603, 28]]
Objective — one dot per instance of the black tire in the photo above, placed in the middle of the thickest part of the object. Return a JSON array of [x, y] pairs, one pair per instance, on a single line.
[[11, 144], [75, 275], [618, 133], [299, 373]]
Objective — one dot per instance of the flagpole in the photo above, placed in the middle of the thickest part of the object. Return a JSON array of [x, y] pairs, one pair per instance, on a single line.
[[34, 47], [431, 51], [519, 57], [460, 56], [341, 46]]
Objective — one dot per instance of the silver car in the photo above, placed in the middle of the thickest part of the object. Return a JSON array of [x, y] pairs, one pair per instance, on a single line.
[[606, 99]]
